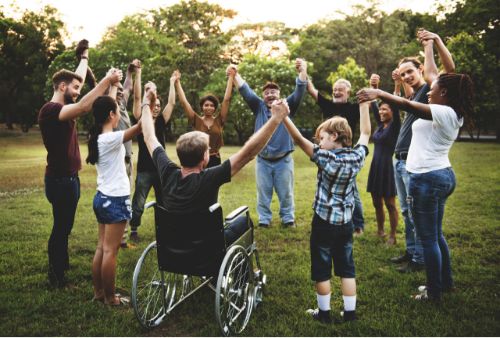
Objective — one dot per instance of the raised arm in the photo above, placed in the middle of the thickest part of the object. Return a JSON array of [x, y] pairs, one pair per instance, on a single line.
[[188, 110], [421, 110], [311, 90], [430, 70], [148, 128], [82, 54], [257, 141], [169, 108], [131, 132], [224, 110], [301, 141], [364, 123], [252, 100], [127, 84], [72, 111], [112, 92], [136, 109], [300, 86]]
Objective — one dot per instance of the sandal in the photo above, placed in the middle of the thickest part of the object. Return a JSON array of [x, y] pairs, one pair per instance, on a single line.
[[122, 301]]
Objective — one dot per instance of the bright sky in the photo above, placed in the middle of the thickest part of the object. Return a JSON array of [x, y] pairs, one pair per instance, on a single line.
[[90, 18]]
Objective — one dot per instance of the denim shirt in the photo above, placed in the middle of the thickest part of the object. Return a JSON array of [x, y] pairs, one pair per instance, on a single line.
[[281, 142]]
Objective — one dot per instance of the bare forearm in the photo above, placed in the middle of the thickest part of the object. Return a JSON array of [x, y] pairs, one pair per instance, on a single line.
[[127, 86], [239, 80], [131, 132], [301, 141], [82, 69], [364, 123], [227, 99], [311, 90], [137, 95], [430, 68], [188, 110], [445, 56], [148, 129], [112, 92]]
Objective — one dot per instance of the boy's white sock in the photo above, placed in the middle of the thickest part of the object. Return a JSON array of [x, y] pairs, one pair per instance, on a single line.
[[323, 302], [349, 303]]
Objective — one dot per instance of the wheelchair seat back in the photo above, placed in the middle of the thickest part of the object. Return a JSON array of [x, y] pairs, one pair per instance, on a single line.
[[190, 244]]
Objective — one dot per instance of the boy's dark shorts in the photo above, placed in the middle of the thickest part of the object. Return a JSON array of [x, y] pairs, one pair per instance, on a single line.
[[331, 242]]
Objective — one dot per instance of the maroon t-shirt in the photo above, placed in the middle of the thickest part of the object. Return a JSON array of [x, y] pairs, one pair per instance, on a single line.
[[60, 140]]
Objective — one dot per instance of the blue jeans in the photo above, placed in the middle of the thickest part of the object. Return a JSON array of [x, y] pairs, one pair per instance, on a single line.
[[277, 175], [413, 242], [427, 198], [143, 183], [357, 215], [63, 193]]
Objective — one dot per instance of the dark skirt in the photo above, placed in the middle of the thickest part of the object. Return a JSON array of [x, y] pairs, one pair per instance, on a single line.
[[381, 177]]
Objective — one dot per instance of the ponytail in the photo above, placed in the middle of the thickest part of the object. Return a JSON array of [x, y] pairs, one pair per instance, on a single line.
[[100, 110], [460, 94]]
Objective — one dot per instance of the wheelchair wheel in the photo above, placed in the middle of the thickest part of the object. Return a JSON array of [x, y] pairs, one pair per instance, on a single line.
[[234, 292], [148, 289]]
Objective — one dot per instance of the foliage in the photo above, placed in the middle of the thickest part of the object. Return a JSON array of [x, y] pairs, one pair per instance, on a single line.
[[471, 57], [27, 48]]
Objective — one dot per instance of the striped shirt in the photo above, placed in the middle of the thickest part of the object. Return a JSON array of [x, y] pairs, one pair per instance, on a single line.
[[337, 170]]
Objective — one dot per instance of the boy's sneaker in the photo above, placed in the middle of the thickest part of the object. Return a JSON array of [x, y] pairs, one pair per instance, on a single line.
[[320, 316], [349, 316], [134, 236]]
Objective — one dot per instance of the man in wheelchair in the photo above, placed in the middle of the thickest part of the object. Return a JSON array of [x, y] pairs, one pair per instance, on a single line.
[[193, 187]]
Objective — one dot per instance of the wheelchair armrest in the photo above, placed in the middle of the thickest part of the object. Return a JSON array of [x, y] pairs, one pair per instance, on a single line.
[[149, 204], [214, 207], [235, 213]]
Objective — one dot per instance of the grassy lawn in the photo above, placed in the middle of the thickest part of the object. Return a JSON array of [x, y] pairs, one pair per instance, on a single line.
[[471, 224]]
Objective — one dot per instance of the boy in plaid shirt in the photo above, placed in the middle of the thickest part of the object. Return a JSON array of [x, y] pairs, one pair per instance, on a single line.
[[331, 235]]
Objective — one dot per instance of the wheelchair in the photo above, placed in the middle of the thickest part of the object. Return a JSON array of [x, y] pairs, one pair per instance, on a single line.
[[190, 252]]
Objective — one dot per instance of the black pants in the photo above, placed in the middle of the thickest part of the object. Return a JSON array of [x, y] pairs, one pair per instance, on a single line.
[[63, 193]]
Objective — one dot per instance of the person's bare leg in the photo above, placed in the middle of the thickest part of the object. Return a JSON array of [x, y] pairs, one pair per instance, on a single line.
[[112, 238], [379, 213], [390, 203], [96, 266]]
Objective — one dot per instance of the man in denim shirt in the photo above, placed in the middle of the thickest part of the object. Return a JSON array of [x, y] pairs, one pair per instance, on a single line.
[[274, 168]]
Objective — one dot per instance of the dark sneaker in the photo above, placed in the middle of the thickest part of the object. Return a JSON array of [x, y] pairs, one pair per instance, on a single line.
[[290, 225], [128, 246], [349, 316], [401, 259], [411, 267], [321, 316], [263, 225]]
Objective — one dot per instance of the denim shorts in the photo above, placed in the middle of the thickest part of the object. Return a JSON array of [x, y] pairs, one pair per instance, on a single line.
[[110, 209], [331, 243]]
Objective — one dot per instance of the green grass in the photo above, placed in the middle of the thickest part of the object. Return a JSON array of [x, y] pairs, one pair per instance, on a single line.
[[471, 224]]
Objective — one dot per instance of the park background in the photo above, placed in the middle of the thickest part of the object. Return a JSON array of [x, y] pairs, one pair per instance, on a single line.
[[189, 36]]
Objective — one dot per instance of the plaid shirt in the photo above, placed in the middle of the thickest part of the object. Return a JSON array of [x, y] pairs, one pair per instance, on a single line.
[[337, 170]]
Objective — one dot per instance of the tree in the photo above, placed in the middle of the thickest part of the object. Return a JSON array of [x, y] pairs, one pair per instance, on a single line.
[[27, 47]]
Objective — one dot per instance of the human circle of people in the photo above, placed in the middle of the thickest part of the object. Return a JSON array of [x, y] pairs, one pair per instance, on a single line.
[[436, 105]]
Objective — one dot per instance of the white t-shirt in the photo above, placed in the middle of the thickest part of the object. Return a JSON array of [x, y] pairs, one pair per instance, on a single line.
[[432, 140], [112, 179]]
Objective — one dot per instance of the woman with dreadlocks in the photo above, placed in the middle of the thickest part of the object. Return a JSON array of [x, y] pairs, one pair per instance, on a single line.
[[432, 179], [112, 200]]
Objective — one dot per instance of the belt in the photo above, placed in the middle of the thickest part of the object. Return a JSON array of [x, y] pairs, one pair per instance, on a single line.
[[275, 159], [401, 156]]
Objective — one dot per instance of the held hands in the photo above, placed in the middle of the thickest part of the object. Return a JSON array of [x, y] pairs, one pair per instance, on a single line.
[[280, 109], [426, 38], [231, 70], [150, 97], [374, 81], [176, 76], [114, 75], [134, 65], [300, 65], [367, 95], [396, 77]]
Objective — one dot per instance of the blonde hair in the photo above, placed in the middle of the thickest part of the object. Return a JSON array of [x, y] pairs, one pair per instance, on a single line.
[[339, 126], [191, 148]]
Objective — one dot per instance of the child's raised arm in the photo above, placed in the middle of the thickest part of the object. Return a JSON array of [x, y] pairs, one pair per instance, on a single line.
[[364, 123], [301, 141]]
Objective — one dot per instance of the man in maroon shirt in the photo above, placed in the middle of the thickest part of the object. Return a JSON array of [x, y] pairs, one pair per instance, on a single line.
[[57, 120]]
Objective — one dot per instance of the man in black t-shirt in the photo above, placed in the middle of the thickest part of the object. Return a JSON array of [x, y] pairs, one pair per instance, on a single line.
[[339, 106], [147, 176], [193, 187]]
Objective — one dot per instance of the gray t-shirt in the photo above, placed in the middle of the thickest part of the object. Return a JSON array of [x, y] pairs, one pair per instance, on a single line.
[[405, 134]]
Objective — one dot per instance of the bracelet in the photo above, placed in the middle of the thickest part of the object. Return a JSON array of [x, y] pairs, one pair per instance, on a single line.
[[144, 105], [84, 57]]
